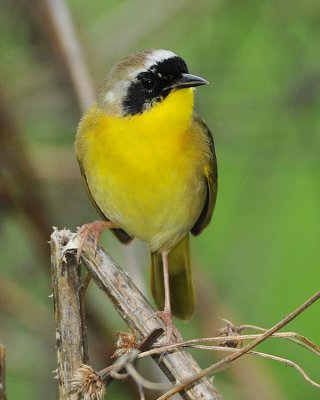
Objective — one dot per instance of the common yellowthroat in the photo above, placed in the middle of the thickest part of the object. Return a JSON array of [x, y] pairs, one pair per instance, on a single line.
[[149, 165]]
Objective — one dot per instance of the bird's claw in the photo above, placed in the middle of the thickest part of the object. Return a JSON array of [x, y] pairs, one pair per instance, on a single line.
[[95, 229], [166, 316]]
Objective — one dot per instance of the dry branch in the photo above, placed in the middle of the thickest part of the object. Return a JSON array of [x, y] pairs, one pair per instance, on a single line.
[[71, 51], [2, 373], [134, 309], [225, 362], [71, 336], [194, 343]]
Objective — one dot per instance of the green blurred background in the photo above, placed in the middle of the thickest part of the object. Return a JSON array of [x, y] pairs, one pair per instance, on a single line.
[[258, 260]]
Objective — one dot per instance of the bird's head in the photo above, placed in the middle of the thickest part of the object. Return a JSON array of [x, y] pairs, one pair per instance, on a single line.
[[137, 82]]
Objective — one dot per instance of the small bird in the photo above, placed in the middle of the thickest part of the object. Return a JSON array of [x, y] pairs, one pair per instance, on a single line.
[[149, 166]]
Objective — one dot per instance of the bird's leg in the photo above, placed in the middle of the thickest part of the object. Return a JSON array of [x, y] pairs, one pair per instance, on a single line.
[[167, 305], [166, 314]]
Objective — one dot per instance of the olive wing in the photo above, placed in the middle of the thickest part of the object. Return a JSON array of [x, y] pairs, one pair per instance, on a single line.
[[210, 175]]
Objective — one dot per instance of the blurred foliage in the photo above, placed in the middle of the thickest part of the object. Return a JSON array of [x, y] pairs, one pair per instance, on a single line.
[[260, 255]]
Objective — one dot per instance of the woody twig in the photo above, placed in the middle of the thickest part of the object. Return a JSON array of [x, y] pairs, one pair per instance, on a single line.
[[132, 306]]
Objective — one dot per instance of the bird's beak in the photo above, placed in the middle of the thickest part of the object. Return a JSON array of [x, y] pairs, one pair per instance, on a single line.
[[187, 80]]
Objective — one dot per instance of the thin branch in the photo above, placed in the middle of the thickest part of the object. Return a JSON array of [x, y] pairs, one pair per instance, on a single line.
[[292, 336], [135, 310], [282, 360], [71, 52], [222, 364], [194, 343], [69, 314], [143, 346], [124, 366], [92, 384], [142, 382], [2, 373], [289, 363]]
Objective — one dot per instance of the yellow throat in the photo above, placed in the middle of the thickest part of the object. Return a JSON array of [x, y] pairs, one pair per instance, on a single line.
[[141, 168]]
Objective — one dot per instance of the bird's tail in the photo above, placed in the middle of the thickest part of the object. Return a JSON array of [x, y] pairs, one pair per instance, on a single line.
[[182, 294]]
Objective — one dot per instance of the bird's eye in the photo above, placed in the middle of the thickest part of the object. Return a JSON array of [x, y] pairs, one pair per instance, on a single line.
[[148, 82]]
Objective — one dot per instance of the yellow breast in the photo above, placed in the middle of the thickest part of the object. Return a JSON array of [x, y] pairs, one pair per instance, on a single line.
[[145, 171]]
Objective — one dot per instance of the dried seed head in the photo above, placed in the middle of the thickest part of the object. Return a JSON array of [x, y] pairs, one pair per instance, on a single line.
[[88, 382], [125, 342], [229, 330]]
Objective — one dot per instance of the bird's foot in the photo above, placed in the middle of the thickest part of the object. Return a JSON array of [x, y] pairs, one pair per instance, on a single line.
[[95, 229], [166, 316]]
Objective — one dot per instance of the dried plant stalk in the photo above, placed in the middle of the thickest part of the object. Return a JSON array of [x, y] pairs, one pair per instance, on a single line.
[[2, 372], [132, 306], [71, 338]]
